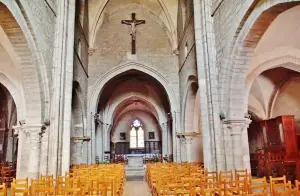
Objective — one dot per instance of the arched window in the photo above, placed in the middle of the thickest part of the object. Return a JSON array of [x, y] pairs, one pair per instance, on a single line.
[[137, 135]]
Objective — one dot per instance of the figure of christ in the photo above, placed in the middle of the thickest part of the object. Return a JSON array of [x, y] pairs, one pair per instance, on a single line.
[[133, 26], [133, 23]]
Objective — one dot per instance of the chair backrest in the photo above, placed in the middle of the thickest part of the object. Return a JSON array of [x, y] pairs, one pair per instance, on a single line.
[[278, 180], [211, 174], [42, 190], [281, 189], [3, 190], [72, 191], [19, 189], [258, 186], [242, 175], [226, 176], [297, 185]]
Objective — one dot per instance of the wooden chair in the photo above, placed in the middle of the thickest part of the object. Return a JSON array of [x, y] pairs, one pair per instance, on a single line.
[[184, 192], [213, 175], [282, 184], [40, 190], [241, 174], [281, 189], [71, 191], [226, 176], [3, 190], [297, 185], [19, 187], [237, 187], [258, 187]]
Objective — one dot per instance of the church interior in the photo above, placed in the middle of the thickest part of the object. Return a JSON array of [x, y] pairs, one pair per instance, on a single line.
[[150, 97]]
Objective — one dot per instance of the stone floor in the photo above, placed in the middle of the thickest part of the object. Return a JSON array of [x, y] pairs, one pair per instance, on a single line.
[[136, 188]]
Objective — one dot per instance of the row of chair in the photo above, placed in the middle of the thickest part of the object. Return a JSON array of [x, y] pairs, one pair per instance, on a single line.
[[193, 180], [100, 180]]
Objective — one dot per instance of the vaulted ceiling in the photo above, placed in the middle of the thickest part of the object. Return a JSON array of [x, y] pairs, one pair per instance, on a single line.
[[133, 91], [166, 11]]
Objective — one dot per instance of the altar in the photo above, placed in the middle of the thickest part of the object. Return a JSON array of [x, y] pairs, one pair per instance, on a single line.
[[135, 160]]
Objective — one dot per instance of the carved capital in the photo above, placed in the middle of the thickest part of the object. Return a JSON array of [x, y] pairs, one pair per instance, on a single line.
[[91, 51], [236, 127], [176, 51], [188, 139], [32, 130]]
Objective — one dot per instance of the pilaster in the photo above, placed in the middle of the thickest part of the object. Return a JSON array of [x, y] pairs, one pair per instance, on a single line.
[[29, 150], [61, 99], [34, 133], [188, 145], [240, 157], [44, 151], [78, 154], [182, 147], [186, 140]]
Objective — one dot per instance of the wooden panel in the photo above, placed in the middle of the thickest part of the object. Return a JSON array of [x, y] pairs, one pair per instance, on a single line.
[[280, 156], [122, 148], [290, 141], [273, 136]]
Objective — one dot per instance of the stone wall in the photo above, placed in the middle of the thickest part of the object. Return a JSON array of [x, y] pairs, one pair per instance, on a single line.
[[186, 57], [149, 123], [79, 148], [41, 18], [113, 45]]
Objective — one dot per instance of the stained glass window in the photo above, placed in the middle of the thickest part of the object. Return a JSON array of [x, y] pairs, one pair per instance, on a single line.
[[137, 135]]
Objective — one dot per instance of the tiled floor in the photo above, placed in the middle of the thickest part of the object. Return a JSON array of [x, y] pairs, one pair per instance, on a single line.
[[136, 188]]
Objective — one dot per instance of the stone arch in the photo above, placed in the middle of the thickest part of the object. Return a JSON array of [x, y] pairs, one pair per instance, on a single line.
[[16, 95], [197, 121], [191, 89], [77, 103], [98, 87], [235, 63], [9, 118], [158, 115], [286, 61], [32, 66]]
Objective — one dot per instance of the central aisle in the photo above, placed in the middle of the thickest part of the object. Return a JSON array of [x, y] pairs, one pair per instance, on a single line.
[[136, 188]]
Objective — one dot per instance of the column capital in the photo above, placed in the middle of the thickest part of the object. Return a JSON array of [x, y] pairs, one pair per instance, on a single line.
[[236, 127], [91, 51], [78, 141], [28, 128], [189, 139]]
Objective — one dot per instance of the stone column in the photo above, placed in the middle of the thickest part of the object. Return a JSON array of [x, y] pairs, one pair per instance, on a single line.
[[22, 144], [169, 138], [61, 95], [44, 152], [9, 150], [176, 141], [34, 133], [183, 151], [245, 145], [207, 77], [106, 137], [99, 142], [188, 144], [164, 129], [240, 145], [78, 151]]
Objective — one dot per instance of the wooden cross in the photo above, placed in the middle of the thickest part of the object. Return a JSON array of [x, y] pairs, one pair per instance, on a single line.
[[133, 23]]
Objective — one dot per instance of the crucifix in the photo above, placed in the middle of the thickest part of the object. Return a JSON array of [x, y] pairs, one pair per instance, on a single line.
[[133, 23]]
